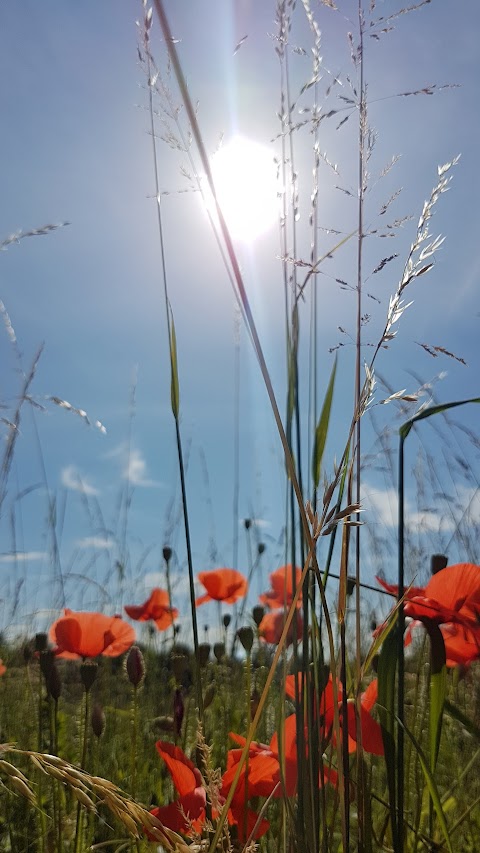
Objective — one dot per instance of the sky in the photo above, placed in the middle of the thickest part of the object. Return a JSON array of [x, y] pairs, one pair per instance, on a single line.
[[88, 507]]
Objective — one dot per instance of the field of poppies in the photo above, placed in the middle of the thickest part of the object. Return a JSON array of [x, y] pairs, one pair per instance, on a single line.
[[301, 727], [109, 744]]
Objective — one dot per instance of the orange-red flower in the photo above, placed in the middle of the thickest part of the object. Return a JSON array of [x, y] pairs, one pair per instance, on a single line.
[[156, 609], [87, 635], [462, 645], [371, 732], [283, 589], [3, 668], [187, 813], [225, 585], [272, 624], [450, 599], [392, 588], [271, 770]]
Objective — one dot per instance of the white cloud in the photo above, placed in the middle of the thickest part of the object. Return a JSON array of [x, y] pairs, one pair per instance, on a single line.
[[71, 479], [23, 556], [95, 542], [134, 466], [382, 508], [136, 470]]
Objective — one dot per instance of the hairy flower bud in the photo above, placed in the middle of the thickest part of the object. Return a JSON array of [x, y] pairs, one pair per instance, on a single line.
[[167, 554], [245, 635], [203, 654], [219, 651], [41, 642], [258, 613], [98, 720], [226, 620], [135, 666]]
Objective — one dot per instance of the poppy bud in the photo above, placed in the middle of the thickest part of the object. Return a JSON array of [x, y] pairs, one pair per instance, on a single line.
[[261, 548], [350, 585], [177, 629], [27, 653], [437, 563], [258, 613], [167, 554], [219, 651], [180, 665], [209, 695], [163, 724], [41, 642], [135, 666], [247, 523], [205, 628], [245, 635], [88, 673], [226, 620], [98, 720], [203, 653], [178, 712]]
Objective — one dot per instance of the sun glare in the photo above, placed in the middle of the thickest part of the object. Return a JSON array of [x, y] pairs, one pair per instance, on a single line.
[[246, 183]]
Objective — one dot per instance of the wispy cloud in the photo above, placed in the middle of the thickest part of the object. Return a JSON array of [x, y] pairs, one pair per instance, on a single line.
[[134, 466], [72, 479], [23, 556], [99, 542], [382, 508]]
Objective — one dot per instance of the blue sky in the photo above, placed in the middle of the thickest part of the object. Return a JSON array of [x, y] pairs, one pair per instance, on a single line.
[[75, 147]]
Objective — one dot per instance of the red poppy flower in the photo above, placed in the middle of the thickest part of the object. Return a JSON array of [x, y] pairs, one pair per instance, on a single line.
[[462, 645], [3, 668], [225, 585], [371, 732], [451, 598], [263, 770], [282, 591], [156, 609], [87, 635], [272, 624], [392, 588], [269, 771], [187, 813]]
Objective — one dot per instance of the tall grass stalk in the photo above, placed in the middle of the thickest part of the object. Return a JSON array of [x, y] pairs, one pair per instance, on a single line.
[[174, 379]]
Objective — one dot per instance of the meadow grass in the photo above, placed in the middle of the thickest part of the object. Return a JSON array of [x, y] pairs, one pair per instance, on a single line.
[[342, 741]]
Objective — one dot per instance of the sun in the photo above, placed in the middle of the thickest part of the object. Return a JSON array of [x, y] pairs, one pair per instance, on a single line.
[[245, 178]]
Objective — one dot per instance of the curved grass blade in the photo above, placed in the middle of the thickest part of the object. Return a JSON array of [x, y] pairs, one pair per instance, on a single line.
[[433, 410], [322, 428]]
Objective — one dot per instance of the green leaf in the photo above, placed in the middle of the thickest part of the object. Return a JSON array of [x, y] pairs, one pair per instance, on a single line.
[[433, 410], [432, 787], [174, 388], [322, 428], [387, 664]]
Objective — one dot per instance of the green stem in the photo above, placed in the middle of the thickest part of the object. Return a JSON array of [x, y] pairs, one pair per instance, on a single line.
[[79, 822]]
